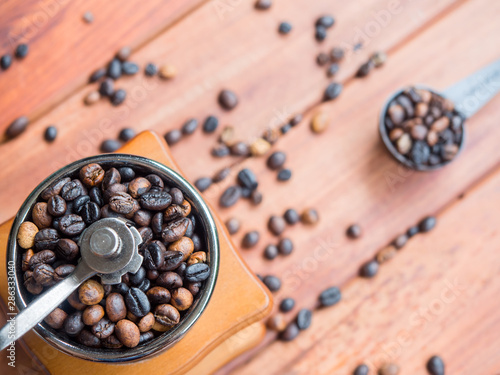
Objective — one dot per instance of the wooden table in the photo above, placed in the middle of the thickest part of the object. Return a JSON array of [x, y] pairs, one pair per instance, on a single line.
[[439, 295]]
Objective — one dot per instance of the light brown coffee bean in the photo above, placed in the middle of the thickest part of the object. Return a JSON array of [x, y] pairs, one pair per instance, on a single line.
[[146, 323], [56, 318], [115, 307], [128, 333], [92, 314], [90, 292], [26, 235], [182, 299]]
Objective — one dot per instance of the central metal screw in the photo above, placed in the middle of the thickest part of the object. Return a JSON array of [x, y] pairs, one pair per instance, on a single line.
[[105, 243]]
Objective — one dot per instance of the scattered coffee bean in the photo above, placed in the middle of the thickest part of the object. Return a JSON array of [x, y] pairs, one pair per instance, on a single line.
[[220, 150], [332, 69], [287, 305], [203, 183], [322, 59], [21, 51], [123, 53], [332, 91], [228, 99], [233, 225], [114, 70], [189, 126], [129, 68], [435, 365], [389, 369], [412, 231], [92, 98], [125, 135], [285, 128], [118, 97], [240, 149], [276, 323], [222, 174], [263, 4], [250, 239], [290, 332], [354, 231], [150, 70], [259, 147], [272, 283], [369, 269], [256, 197], [400, 241], [276, 225], [361, 370], [16, 127], [173, 136], [378, 58], [304, 319], [284, 174], [284, 28], [107, 87], [210, 125], [319, 122], [309, 216], [336, 54], [320, 33], [247, 179], [110, 145], [285, 246], [271, 252], [276, 160], [326, 21], [427, 224], [5, 61], [365, 69], [50, 133], [387, 253], [167, 71], [88, 17], [330, 296], [230, 196]]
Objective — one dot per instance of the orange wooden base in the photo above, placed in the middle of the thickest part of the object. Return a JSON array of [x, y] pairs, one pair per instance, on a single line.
[[230, 324]]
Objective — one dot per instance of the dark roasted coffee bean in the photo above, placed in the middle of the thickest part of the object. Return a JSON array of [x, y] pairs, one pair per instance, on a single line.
[[21, 51], [156, 182], [272, 283], [95, 195], [287, 305], [291, 216], [169, 280], [118, 97], [138, 187], [67, 249], [124, 53], [190, 228], [154, 256], [435, 365], [230, 196], [233, 225], [320, 33], [284, 28], [420, 152], [322, 58], [330, 296], [263, 4], [136, 278], [388, 369], [400, 241], [142, 218], [5, 61], [80, 202], [146, 234], [220, 151], [121, 288], [203, 183], [129, 68], [250, 239], [74, 323], [365, 69], [189, 126], [103, 328], [197, 272], [176, 211], [97, 75], [41, 216], [146, 336], [406, 103], [326, 21], [211, 123], [369, 269], [151, 70], [44, 274], [332, 69], [175, 230], [114, 69], [72, 190], [271, 252], [167, 315], [285, 128], [276, 225], [122, 203], [112, 342], [173, 136], [137, 302], [412, 231], [304, 318], [240, 149], [157, 223], [127, 174], [332, 91], [158, 295], [256, 197], [107, 87], [177, 196], [172, 260], [71, 225], [228, 99], [50, 133], [290, 332], [55, 188], [16, 127], [354, 231], [425, 225], [284, 174], [245, 192], [145, 285], [285, 246], [155, 200], [63, 271], [247, 179], [46, 239], [361, 370]]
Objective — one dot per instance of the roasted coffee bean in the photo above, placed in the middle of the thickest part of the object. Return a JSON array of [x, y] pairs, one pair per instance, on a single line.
[[197, 242], [44, 275], [176, 211], [369, 269], [250, 239], [129, 68], [156, 182], [30, 284], [122, 203], [284, 174], [17, 127], [154, 256], [284, 28], [412, 231], [42, 257], [128, 333], [220, 150], [287, 305], [55, 188], [304, 318], [5, 61], [361, 370], [177, 196], [121, 288], [96, 196], [138, 187], [107, 87], [290, 332], [150, 70], [50, 133], [146, 322], [92, 315], [155, 200], [26, 259], [400, 241], [427, 224], [271, 252], [157, 223], [228, 99], [115, 307], [124, 53], [332, 70], [320, 33], [326, 21], [118, 97], [21, 51], [111, 342], [46, 239], [194, 288], [332, 91], [182, 299], [152, 274], [203, 183], [110, 145], [263, 4], [173, 136], [246, 192], [309, 216], [389, 369], [127, 174], [330, 296], [166, 315], [197, 257], [435, 365], [103, 328], [67, 249], [90, 213], [142, 218], [247, 179], [230, 196], [92, 174], [71, 225], [56, 205], [291, 216], [137, 302], [75, 302], [276, 323], [111, 177], [73, 323], [63, 271], [175, 230], [240, 149], [276, 160], [285, 246], [167, 71], [322, 58], [41, 216], [97, 75], [365, 69], [72, 190], [172, 260], [90, 292], [146, 234], [114, 69], [158, 295], [272, 283], [197, 272], [138, 277], [354, 231], [56, 318], [170, 280], [276, 225], [189, 126], [211, 123]]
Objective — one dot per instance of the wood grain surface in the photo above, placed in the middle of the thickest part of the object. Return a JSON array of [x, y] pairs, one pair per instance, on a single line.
[[345, 172]]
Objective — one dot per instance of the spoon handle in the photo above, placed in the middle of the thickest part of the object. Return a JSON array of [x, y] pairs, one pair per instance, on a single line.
[[43, 305], [473, 92]]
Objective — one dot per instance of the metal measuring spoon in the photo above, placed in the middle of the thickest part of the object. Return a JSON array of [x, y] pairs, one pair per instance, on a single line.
[[469, 95], [108, 248]]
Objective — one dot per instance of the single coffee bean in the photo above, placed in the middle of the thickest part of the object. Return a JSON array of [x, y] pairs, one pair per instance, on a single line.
[[50, 133], [114, 69], [197, 257], [56, 206], [72, 190], [177, 196], [42, 257], [320, 33], [56, 318], [55, 188], [27, 234], [138, 187], [16, 127], [287, 305], [129, 68], [272, 283], [211, 123], [21, 51], [412, 231], [361, 370], [173, 136], [276, 225], [203, 183], [389, 369], [154, 256], [240, 149], [246, 192], [122, 203], [435, 365], [97, 75], [247, 179], [124, 53], [175, 230], [228, 99], [256, 197], [189, 126], [263, 4], [80, 202], [103, 328], [92, 314], [369, 269], [309, 216], [30, 284], [304, 318], [46, 239], [138, 277], [332, 91], [92, 174], [5, 61], [118, 97], [128, 333], [90, 213], [151, 70], [167, 315], [285, 246], [176, 211], [75, 302], [276, 323], [284, 174], [233, 225], [400, 241], [71, 225], [41, 216], [121, 288], [112, 342], [276, 160], [354, 231], [322, 58], [427, 224], [156, 182], [142, 218], [167, 71], [220, 150], [26, 259], [107, 87], [137, 302], [74, 323], [90, 292], [155, 200], [250, 239], [319, 122], [182, 299], [158, 295], [152, 274], [365, 69], [290, 332], [197, 272], [230, 196], [169, 280], [67, 249], [284, 28], [115, 307], [330, 296], [44, 275], [291, 216], [271, 252], [326, 21], [146, 322]]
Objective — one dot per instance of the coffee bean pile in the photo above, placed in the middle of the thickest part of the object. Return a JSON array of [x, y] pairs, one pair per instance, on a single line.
[[144, 304], [111, 145], [370, 268], [322, 25], [375, 61], [331, 60], [424, 127]]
